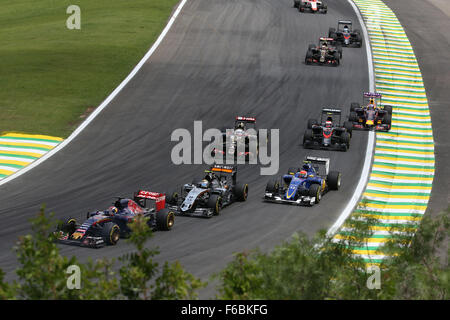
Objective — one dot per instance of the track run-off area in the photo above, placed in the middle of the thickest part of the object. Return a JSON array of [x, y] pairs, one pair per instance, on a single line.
[[220, 60], [402, 174]]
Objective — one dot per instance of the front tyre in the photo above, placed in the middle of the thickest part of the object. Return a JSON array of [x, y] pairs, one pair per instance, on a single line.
[[315, 191], [215, 203], [165, 219], [110, 233]]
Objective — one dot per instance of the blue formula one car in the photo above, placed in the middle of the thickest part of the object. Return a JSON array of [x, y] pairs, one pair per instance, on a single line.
[[305, 185]]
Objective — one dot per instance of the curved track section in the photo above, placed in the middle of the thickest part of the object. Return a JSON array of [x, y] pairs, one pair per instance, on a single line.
[[219, 60]]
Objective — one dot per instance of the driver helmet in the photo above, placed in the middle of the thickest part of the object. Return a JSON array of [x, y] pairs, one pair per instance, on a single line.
[[240, 125], [113, 210], [345, 28], [306, 167], [204, 183], [303, 174], [328, 124]]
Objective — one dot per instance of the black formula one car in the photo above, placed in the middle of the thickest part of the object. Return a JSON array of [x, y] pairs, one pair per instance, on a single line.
[[305, 185], [372, 114], [242, 142], [206, 197], [345, 35], [324, 53], [311, 5], [329, 133], [108, 226]]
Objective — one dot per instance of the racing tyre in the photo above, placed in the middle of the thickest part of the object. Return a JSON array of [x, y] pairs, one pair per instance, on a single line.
[[110, 233], [336, 59], [311, 123], [387, 119], [334, 180], [346, 139], [215, 202], [165, 219], [272, 186], [353, 117], [309, 57], [241, 191], [307, 137], [388, 108], [315, 191], [68, 225], [172, 197], [311, 46], [332, 33], [348, 125], [354, 106]]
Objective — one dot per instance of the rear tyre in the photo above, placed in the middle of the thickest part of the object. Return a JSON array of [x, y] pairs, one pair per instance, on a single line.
[[172, 197], [353, 117], [315, 191], [307, 137], [348, 125], [241, 191], [165, 219], [215, 202], [388, 108], [311, 123], [334, 180], [354, 106], [346, 139], [110, 233], [387, 119]]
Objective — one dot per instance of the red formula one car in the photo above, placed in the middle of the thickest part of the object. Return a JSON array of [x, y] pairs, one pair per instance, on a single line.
[[108, 226]]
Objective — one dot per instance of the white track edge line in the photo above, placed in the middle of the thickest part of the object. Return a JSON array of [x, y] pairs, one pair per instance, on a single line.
[[357, 194], [105, 103]]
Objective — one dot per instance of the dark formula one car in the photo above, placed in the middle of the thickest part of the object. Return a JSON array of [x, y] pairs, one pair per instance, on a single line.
[[324, 53], [237, 142], [345, 35], [372, 115], [305, 185], [329, 133], [206, 197], [311, 5], [108, 226]]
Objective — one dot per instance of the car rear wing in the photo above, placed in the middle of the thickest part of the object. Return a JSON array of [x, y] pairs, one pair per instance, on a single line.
[[326, 39], [348, 22], [246, 119], [160, 198], [222, 169], [372, 95], [332, 111], [319, 161]]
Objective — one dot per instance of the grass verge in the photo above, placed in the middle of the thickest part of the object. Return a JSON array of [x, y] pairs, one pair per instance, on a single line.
[[50, 76]]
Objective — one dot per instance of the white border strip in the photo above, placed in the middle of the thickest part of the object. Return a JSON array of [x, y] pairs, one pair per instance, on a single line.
[[370, 141], [104, 104]]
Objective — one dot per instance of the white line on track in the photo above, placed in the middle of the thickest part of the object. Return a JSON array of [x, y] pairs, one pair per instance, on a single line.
[[370, 141]]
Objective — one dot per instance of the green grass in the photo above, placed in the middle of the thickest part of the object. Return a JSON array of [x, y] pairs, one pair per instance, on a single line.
[[50, 75]]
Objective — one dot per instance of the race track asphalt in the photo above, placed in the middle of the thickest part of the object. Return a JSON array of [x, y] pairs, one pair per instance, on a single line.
[[220, 59]]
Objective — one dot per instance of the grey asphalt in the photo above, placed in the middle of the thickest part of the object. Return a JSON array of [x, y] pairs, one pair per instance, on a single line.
[[427, 24], [220, 59]]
